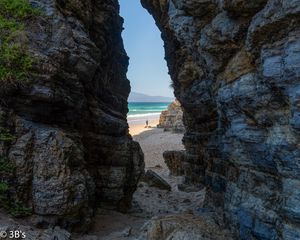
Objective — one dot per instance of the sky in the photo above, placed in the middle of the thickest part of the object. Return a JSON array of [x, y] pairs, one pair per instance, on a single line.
[[147, 72]]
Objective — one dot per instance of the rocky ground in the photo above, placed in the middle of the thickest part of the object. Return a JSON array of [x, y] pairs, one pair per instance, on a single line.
[[153, 201], [149, 202], [178, 212]]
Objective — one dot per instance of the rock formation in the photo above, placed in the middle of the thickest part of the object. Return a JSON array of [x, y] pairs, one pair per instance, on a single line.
[[64, 133], [171, 119], [236, 72], [235, 66]]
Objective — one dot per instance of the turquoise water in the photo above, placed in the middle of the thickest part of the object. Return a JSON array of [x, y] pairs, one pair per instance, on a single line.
[[143, 109]]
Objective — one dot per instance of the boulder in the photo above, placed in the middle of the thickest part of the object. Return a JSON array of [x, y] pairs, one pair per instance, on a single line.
[[154, 180]]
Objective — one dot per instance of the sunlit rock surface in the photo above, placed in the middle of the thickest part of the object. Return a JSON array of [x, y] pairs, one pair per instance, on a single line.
[[171, 119]]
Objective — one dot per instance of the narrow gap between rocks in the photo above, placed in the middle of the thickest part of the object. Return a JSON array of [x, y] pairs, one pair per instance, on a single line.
[[161, 191]]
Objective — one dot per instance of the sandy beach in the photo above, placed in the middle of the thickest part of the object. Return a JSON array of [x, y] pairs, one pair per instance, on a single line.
[[154, 141], [137, 125]]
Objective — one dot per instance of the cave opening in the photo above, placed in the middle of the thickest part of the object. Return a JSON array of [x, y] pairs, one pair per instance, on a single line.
[[155, 119]]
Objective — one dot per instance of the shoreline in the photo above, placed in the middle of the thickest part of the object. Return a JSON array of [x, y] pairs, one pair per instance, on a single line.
[[137, 125]]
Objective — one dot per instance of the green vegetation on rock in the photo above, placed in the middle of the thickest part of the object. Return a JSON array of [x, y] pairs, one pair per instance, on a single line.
[[5, 136], [3, 187], [6, 166], [17, 209], [4, 200], [15, 69], [15, 61], [17, 8]]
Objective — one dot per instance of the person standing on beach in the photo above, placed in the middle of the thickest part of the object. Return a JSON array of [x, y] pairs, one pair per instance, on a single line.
[[147, 123]]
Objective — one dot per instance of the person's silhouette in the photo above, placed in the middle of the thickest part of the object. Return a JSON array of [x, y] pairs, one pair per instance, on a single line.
[[147, 123]]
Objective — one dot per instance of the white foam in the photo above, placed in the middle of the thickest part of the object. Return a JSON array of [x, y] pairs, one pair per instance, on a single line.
[[142, 115]]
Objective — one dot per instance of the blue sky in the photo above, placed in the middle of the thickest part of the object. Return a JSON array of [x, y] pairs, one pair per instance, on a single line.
[[147, 70]]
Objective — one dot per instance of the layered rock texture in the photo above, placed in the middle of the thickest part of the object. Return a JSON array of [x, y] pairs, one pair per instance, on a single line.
[[235, 65], [64, 134], [171, 119], [236, 72]]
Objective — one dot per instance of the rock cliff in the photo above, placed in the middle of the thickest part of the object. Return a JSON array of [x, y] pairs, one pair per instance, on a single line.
[[65, 146], [171, 119], [235, 65]]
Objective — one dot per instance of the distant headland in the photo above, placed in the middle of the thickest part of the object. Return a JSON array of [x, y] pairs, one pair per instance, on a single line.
[[140, 97]]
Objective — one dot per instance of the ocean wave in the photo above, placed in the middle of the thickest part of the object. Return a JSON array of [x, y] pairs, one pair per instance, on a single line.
[[149, 107], [142, 115], [144, 110]]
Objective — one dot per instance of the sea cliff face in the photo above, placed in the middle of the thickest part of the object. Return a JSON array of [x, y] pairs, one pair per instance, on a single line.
[[236, 72], [64, 134]]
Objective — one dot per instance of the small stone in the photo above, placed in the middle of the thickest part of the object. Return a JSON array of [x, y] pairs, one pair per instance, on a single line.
[[154, 180]]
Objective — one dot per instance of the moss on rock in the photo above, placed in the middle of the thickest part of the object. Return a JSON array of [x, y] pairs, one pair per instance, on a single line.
[[15, 61]]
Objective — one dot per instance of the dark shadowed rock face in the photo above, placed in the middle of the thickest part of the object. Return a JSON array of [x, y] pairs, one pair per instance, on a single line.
[[236, 71], [174, 160], [70, 147]]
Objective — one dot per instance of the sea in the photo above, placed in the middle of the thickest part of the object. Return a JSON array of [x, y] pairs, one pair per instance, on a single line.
[[144, 110]]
